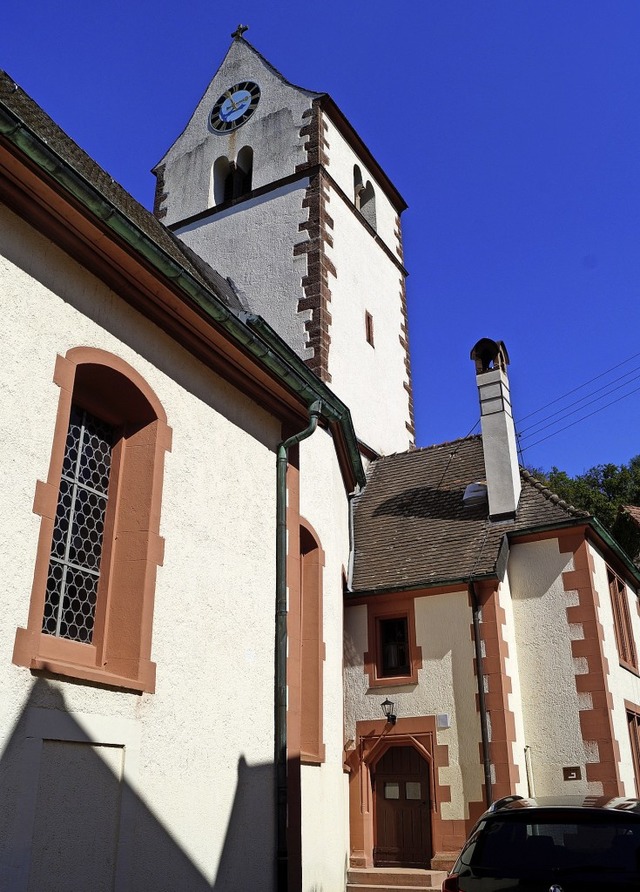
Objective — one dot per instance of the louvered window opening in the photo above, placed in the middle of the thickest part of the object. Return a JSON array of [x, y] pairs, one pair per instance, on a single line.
[[76, 547]]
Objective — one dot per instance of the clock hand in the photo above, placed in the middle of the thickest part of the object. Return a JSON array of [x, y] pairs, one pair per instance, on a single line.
[[230, 98]]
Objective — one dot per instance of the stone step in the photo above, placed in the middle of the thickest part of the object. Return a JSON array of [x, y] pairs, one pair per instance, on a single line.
[[370, 888], [394, 879]]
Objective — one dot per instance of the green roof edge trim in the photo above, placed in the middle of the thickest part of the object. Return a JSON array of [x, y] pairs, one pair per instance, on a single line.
[[253, 333]]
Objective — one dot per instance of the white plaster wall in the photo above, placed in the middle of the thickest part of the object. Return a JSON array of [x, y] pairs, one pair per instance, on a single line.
[[272, 132], [550, 702], [446, 684], [514, 698], [370, 380], [342, 159], [253, 244], [623, 684], [325, 839], [213, 619]]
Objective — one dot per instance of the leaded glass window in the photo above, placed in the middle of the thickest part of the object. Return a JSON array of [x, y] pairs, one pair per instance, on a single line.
[[76, 547]]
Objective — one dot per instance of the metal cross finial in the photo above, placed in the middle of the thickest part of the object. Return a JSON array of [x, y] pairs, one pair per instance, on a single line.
[[240, 31]]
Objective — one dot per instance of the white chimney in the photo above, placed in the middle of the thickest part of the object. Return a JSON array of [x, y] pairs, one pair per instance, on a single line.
[[498, 430]]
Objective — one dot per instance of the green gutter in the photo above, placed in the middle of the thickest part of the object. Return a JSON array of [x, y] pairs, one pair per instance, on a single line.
[[461, 581], [253, 334]]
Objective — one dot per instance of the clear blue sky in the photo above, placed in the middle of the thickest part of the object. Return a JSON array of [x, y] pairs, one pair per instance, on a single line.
[[511, 127]]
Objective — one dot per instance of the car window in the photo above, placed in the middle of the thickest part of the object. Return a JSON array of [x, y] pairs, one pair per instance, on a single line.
[[515, 844]]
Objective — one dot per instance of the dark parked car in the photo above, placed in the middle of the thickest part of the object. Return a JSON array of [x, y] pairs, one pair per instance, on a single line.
[[562, 845]]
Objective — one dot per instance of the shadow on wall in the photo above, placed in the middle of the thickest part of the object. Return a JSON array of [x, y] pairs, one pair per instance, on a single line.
[[70, 821]]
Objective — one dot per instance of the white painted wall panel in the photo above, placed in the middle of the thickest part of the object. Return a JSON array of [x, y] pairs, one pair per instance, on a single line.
[[323, 502], [253, 244], [342, 160], [550, 702], [204, 771], [623, 684], [371, 380]]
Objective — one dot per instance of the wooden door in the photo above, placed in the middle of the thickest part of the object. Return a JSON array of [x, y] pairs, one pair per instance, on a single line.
[[403, 816]]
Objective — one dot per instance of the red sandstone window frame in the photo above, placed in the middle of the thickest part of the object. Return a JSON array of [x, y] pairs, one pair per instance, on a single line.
[[312, 561], [633, 723], [622, 622], [391, 607], [119, 654]]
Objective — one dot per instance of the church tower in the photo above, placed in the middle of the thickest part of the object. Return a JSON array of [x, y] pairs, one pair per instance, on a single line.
[[271, 186]]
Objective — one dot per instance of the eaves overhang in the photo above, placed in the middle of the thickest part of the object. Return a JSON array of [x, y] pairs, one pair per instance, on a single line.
[[588, 526], [451, 583], [46, 190], [591, 527]]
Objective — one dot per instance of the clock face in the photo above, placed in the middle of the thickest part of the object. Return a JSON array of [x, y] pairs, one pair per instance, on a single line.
[[235, 106]]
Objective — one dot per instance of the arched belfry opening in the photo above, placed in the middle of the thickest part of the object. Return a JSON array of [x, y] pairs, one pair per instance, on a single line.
[[232, 179], [244, 171], [364, 197], [221, 176], [358, 185]]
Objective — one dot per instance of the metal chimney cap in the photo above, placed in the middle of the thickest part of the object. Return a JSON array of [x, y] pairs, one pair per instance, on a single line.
[[488, 355]]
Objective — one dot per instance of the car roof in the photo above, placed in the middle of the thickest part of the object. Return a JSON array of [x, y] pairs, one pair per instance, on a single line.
[[512, 804]]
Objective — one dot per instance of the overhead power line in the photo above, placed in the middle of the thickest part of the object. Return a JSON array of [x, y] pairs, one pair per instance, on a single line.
[[580, 387], [585, 401], [584, 417]]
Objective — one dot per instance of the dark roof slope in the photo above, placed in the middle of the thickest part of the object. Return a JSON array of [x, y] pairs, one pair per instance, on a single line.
[[29, 112], [411, 527]]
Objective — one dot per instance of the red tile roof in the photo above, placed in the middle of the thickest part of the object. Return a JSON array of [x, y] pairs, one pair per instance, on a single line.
[[412, 527]]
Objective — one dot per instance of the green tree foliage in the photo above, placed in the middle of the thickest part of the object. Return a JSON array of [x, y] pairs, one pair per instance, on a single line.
[[599, 491]]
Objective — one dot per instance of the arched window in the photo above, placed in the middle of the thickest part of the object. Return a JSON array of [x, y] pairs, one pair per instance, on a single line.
[[91, 608], [312, 647], [222, 180], [232, 179], [244, 165], [358, 185], [364, 197], [368, 204]]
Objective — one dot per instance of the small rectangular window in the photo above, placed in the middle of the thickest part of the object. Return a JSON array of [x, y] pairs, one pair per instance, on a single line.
[[391, 790], [394, 647], [368, 327], [394, 656]]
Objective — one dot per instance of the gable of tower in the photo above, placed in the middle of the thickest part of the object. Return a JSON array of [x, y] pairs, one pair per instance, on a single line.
[[186, 171]]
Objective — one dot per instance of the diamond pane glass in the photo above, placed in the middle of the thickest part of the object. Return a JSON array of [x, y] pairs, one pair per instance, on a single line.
[[76, 547]]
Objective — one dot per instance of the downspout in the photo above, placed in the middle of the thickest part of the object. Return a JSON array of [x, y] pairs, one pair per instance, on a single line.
[[484, 721], [280, 730]]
